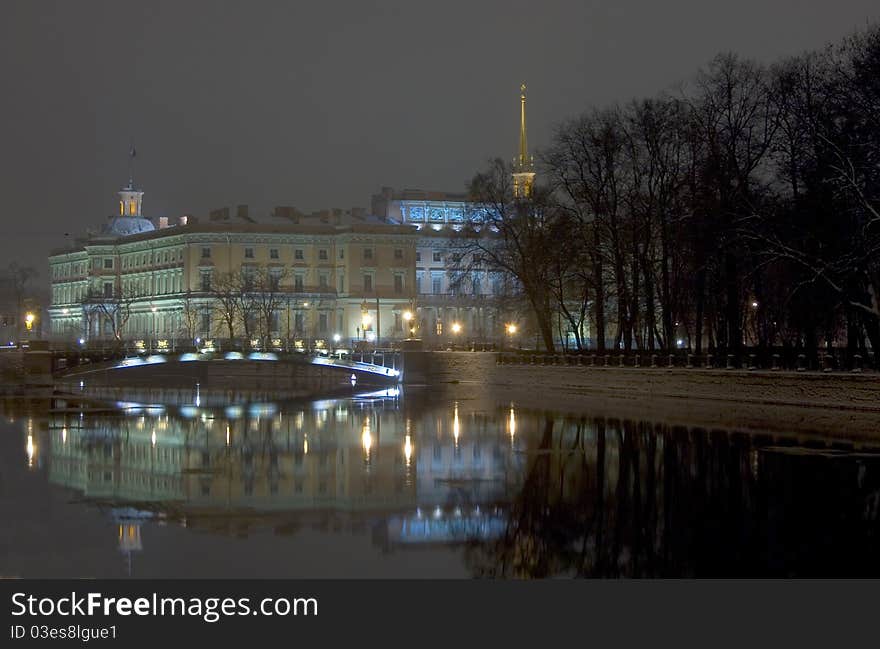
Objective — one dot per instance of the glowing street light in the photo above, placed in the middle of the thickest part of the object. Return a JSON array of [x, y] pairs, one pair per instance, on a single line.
[[29, 321], [511, 329], [456, 327]]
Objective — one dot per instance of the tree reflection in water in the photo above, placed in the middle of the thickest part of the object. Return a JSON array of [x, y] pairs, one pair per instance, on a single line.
[[611, 498]]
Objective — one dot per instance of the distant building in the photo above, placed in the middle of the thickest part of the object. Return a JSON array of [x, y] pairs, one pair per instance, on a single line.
[[140, 280], [393, 273]]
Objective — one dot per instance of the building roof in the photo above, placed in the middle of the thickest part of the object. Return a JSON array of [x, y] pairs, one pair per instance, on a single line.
[[124, 226]]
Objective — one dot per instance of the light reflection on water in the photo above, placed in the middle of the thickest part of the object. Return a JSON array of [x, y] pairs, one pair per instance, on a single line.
[[495, 489]]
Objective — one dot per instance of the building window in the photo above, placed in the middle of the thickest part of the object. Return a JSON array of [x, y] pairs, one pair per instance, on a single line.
[[274, 279], [121, 208], [398, 326], [436, 283], [368, 253], [420, 276], [342, 253], [398, 253], [341, 282], [298, 254], [206, 322], [131, 209], [322, 322], [248, 253], [322, 254], [298, 283], [323, 281], [206, 253], [437, 256], [248, 276], [418, 256], [108, 263], [108, 289], [273, 253], [398, 283], [368, 283]]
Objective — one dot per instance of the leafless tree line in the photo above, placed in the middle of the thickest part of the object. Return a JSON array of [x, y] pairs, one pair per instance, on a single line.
[[741, 209]]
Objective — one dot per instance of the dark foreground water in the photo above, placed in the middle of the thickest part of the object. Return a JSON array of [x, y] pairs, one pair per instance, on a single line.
[[180, 484]]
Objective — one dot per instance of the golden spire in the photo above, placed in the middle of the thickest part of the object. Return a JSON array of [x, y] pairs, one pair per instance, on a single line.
[[523, 174], [523, 146]]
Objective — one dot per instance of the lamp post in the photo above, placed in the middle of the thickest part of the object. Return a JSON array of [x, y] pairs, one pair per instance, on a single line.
[[365, 318], [456, 329], [407, 318], [510, 328], [154, 334]]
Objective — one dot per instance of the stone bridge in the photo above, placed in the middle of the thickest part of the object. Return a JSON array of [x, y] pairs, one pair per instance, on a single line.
[[297, 375]]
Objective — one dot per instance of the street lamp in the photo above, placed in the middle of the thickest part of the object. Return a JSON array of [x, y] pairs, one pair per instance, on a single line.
[[155, 335], [29, 321], [365, 317], [511, 331], [456, 329], [407, 318]]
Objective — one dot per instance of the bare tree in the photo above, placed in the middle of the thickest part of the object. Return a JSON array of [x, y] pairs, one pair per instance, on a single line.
[[20, 278], [513, 236]]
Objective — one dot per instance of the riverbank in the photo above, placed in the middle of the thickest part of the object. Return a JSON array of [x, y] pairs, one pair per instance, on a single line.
[[803, 402]]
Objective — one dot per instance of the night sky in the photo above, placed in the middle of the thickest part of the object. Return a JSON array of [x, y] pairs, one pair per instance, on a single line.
[[320, 104]]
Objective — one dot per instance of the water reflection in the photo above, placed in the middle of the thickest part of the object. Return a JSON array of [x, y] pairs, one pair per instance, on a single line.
[[525, 493]]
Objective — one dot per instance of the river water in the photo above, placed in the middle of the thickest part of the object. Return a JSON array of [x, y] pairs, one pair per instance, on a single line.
[[390, 484]]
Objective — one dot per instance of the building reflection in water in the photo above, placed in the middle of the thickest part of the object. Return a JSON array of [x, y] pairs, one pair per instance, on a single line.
[[531, 493], [337, 464]]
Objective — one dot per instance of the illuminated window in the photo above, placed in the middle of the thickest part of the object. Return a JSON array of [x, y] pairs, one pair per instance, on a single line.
[[121, 208], [131, 206]]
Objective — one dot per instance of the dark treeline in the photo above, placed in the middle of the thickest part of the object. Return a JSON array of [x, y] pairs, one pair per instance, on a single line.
[[740, 210]]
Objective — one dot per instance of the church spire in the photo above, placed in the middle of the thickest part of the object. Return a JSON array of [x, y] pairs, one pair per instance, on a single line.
[[523, 164]]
